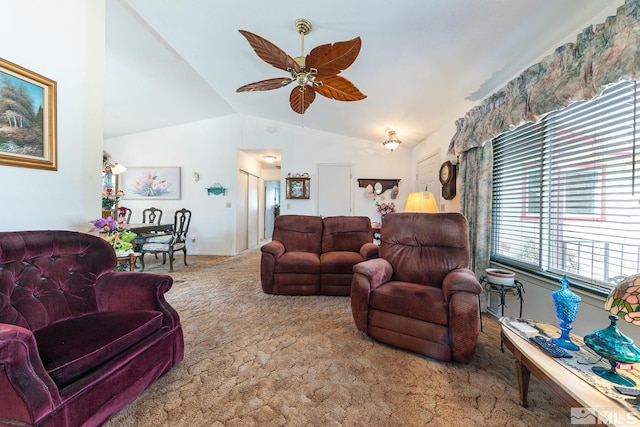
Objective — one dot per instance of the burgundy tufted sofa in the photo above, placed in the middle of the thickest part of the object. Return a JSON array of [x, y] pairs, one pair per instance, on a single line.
[[420, 295], [311, 255], [78, 342]]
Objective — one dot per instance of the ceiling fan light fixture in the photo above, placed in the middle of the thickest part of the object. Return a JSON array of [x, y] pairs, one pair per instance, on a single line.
[[392, 141]]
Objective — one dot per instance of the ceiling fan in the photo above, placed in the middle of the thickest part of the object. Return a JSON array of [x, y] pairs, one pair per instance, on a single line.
[[317, 72]]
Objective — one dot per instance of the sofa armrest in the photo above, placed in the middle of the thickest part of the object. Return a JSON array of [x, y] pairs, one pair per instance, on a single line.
[[460, 280], [464, 325], [270, 253], [124, 290], [274, 248], [367, 275], [461, 289], [369, 250], [376, 271], [28, 392]]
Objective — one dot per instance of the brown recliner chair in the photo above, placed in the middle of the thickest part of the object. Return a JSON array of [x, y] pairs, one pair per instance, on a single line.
[[419, 294]]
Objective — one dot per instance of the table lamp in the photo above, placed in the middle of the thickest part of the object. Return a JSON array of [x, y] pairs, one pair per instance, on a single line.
[[610, 342], [421, 202]]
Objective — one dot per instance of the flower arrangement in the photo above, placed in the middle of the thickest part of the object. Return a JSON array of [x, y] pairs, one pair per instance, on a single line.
[[115, 233], [110, 197], [386, 208]]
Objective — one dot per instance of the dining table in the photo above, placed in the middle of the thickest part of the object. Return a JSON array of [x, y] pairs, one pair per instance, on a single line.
[[146, 230]]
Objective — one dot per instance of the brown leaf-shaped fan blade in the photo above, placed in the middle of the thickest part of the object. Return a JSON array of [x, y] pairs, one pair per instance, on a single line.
[[270, 53], [331, 59], [265, 85], [301, 97], [339, 88]]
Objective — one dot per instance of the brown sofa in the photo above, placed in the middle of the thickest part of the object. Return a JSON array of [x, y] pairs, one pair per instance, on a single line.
[[419, 294], [78, 341], [311, 255]]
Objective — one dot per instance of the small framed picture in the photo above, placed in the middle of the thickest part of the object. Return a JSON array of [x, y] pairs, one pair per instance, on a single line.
[[297, 188]]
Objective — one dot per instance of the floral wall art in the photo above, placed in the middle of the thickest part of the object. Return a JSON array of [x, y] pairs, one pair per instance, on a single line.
[[152, 183]]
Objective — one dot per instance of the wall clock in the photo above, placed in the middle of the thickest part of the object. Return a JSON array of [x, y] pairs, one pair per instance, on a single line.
[[448, 180]]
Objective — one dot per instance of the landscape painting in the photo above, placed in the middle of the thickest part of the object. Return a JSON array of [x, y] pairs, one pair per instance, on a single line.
[[27, 118]]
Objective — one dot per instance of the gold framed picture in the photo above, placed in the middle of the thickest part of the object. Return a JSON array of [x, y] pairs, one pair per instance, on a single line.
[[28, 112], [297, 188]]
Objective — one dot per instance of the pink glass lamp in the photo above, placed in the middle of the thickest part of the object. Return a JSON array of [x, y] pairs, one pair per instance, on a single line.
[[624, 300], [610, 343]]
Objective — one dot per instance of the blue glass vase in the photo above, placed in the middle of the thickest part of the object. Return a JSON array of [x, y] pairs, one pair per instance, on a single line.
[[616, 347], [566, 304]]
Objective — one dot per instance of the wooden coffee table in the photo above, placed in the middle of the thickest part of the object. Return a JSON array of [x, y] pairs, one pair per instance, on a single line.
[[573, 390]]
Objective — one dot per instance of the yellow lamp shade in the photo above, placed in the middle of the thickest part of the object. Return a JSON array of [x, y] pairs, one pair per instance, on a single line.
[[421, 202]]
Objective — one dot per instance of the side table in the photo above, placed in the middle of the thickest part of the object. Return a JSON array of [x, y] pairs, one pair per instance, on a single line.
[[376, 233], [516, 289], [129, 259]]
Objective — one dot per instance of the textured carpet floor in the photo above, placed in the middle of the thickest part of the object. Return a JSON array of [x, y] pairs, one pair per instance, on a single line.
[[253, 359]]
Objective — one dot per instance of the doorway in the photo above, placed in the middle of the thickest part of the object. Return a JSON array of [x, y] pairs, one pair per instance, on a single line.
[[271, 206], [248, 201]]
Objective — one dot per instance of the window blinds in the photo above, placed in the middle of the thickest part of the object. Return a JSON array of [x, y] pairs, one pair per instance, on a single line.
[[562, 188]]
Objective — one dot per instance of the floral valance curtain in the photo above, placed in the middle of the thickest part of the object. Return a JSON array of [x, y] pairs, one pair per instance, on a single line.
[[575, 71]]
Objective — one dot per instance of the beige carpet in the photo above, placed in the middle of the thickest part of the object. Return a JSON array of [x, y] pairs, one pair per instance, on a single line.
[[253, 359]]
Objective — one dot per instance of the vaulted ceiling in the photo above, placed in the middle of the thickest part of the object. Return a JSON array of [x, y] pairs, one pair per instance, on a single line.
[[422, 64]]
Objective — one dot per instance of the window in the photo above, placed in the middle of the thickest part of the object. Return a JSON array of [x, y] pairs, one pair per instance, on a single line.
[[564, 200]]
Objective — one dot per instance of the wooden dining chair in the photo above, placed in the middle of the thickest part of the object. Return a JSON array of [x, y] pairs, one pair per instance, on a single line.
[[168, 244], [152, 215]]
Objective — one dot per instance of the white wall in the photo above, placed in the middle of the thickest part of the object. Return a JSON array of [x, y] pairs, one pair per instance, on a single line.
[[63, 41], [211, 147], [302, 149]]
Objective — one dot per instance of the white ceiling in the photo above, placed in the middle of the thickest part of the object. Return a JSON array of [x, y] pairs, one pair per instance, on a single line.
[[423, 64]]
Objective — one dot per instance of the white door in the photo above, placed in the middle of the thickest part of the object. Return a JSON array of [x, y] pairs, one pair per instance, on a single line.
[[427, 176], [248, 212], [253, 209], [241, 226], [334, 190]]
